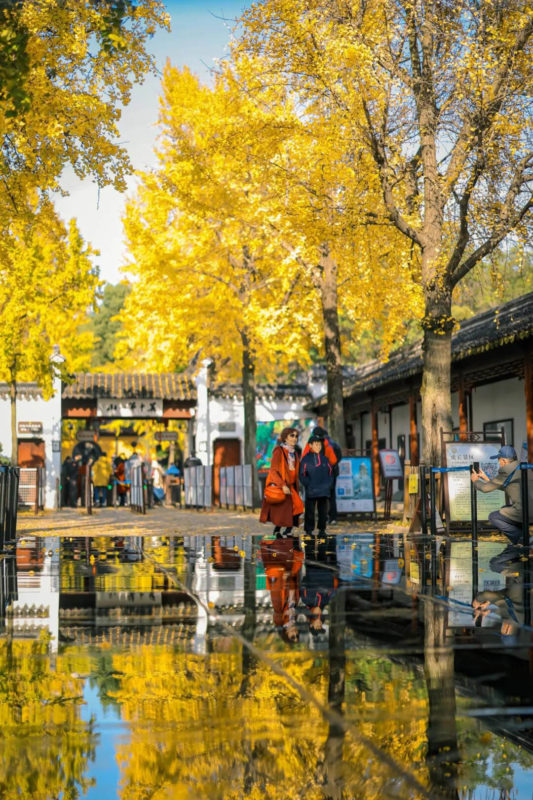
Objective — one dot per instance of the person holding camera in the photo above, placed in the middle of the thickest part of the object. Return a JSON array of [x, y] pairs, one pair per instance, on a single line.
[[508, 519]]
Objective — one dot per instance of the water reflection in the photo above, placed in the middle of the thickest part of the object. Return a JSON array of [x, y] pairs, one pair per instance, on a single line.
[[345, 666]]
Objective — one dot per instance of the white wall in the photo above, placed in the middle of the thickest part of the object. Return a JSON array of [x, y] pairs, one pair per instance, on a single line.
[[498, 401], [48, 412], [230, 411]]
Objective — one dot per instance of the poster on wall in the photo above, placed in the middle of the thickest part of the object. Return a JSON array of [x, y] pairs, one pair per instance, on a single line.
[[268, 435], [457, 484], [355, 487]]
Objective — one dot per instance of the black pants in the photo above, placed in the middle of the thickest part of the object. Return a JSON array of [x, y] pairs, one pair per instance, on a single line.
[[321, 504]]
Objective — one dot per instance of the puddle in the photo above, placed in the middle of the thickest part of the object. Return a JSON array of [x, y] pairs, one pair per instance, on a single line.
[[354, 666]]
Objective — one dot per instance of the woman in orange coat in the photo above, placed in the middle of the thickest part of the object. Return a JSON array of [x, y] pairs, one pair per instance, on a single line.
[[283, 472]]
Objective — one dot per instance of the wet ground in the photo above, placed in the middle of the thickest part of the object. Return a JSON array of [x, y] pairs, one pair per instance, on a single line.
[[239, 666]]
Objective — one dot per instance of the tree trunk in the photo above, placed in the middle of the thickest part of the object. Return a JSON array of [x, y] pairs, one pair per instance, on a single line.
[[332, 341], [250, 423], [436, 380], [14, 438]]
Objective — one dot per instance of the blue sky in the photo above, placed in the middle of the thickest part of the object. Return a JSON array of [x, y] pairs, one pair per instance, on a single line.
[[200, 32]]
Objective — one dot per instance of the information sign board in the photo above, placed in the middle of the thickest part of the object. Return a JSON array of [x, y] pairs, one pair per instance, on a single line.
[[460, 454], [390, 464], [355, 488]]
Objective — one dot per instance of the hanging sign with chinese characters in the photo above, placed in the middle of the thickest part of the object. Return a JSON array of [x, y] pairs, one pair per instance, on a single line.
[[130, 409]]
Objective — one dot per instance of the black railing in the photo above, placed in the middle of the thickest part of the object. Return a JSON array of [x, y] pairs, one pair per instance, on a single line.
[[9, 484]]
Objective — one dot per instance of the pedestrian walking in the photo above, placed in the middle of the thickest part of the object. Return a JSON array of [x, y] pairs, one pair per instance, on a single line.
[[101, 474], [283, 480], [316, 476]]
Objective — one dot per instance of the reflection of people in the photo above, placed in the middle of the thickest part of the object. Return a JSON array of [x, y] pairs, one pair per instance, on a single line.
[[362, 486], [508, 519], [507, 603], [317, 477], [283, 559], [283, 473], [319, 584]]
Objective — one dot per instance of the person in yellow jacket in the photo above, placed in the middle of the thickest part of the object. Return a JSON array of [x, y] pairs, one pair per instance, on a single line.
[[101, 474]]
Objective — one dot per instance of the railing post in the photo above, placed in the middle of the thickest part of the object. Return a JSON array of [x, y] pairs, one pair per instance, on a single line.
[[432, 502], [475, 550]]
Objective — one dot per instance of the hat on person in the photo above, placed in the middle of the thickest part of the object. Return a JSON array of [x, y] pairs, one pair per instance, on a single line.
[[319, 433], [315, 438], [506, 452]]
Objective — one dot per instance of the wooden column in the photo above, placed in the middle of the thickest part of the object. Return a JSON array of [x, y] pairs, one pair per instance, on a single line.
[[413, 438], [375, 447], [528, 388], [463, 413]]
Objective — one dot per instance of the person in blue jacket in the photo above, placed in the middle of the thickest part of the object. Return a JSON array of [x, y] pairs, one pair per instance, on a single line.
[[316, 475]]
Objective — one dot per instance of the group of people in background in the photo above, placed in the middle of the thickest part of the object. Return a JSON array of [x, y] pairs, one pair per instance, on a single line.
[[315, 469], [107, 473]]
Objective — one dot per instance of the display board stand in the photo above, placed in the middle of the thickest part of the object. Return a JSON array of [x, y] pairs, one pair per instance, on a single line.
[[462, 448], [355, 485]]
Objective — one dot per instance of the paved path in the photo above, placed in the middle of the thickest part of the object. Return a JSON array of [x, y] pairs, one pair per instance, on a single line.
[[162, 521]]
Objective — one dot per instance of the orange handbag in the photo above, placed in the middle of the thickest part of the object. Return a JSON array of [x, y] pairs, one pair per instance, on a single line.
[[274, 494]]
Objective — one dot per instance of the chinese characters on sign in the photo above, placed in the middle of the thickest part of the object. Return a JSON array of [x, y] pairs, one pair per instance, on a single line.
[[129, 408], [460, 454], [355, 489]]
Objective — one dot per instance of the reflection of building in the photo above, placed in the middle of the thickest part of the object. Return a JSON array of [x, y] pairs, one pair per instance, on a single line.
[[37, 608], [223, 573]]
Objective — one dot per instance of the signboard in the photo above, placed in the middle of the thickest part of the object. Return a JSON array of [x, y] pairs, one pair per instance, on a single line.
[[227, 427], [30, 427], [355, 488], [460, 454], [391, 466], [166, 436], [129, 409], [85, 435]]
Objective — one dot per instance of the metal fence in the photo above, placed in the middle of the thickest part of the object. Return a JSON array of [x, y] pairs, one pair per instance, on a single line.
[[236, 486], [31, 487], [9, 484], [198, 484], [137, 494]]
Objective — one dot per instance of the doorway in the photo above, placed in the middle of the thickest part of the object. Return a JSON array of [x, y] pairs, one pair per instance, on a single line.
[[226, 453]]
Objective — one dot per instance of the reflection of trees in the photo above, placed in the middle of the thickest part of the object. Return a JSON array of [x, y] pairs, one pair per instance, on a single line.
[[333, 750], [442, 751], [45, 746]]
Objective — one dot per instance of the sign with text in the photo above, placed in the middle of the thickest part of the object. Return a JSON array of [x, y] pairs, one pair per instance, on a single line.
[[128, 409], [166, 436], [391, 466], [460, 454], [30, 427], [355, 488], [85, 435]]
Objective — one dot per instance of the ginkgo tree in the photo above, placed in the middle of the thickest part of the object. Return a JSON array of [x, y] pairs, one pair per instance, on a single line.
[[202, 249], [440, 95], [47, 283]]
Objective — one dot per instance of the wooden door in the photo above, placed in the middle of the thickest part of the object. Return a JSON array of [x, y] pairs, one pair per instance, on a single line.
[[226, 453], [31, 453]]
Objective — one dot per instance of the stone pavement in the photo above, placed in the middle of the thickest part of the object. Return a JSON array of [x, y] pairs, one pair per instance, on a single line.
[[167, 521]]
